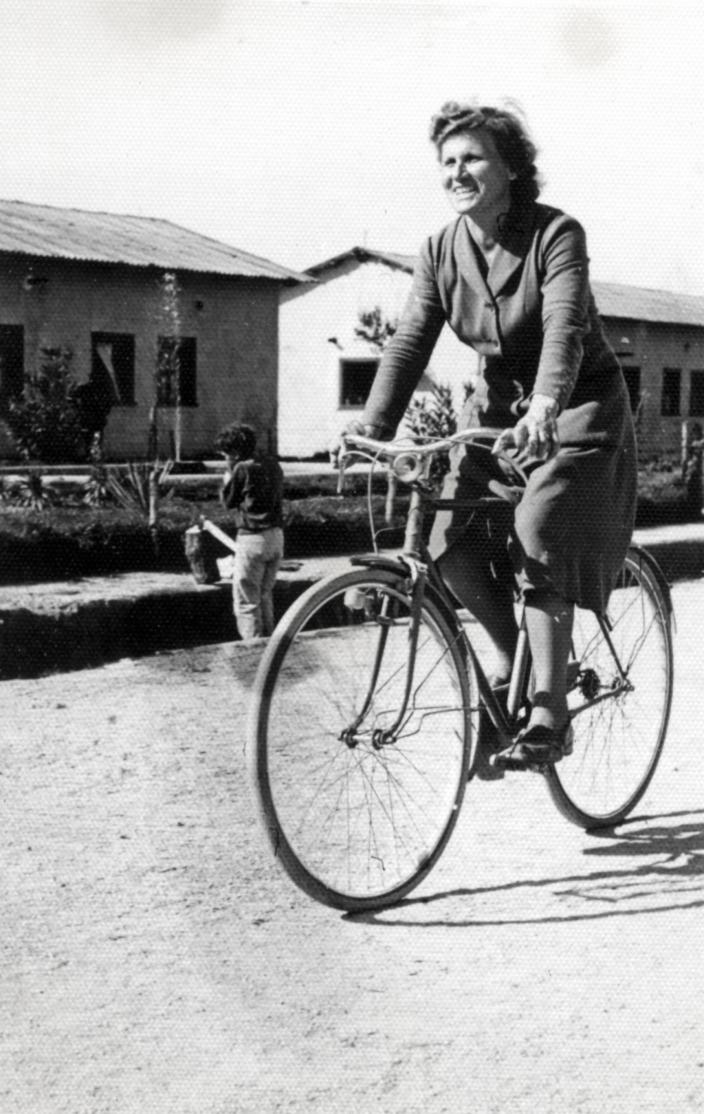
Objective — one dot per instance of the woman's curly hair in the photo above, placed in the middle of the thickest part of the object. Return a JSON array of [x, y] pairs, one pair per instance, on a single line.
[[510, 135]]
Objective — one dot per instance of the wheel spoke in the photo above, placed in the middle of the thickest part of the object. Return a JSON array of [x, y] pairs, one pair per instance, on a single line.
[[618, 731]]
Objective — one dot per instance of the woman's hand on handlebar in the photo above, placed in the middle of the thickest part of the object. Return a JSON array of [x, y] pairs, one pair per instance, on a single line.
[[336, 445], [535, 433]]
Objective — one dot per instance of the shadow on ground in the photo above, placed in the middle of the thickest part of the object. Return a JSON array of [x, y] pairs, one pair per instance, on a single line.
[[671, 877]]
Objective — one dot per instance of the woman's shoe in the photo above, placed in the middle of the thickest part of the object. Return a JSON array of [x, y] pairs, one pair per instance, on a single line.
[[546, 745], [535, 747]]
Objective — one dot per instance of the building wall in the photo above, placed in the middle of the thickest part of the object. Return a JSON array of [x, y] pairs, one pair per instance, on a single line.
[[317, 324], [234, 322], [310, 413], [652, 347]]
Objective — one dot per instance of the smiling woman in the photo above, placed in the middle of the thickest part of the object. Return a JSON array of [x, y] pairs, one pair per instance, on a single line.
[[511, 278], [473, 175], [484, 166]]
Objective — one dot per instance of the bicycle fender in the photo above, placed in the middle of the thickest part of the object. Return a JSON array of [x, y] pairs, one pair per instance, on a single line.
[[380, 561], [646, 558], [396, 565]]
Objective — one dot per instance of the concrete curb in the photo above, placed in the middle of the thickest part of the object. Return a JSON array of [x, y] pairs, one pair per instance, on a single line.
[[75, 625], [33, 642]]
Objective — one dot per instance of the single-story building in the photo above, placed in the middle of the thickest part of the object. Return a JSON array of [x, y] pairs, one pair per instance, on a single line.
[[659, 339], [327, 367], [126, 295]]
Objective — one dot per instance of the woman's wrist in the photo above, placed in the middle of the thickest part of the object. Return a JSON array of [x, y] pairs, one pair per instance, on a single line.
[[544, 406]]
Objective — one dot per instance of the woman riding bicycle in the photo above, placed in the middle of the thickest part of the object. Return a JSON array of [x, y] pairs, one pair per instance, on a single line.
[[510, 276]]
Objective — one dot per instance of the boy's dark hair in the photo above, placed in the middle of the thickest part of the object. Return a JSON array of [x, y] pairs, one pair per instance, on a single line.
[[236, 439]]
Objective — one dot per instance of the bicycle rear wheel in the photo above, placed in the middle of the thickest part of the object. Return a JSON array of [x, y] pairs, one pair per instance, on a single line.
[[620, 700], [357, 819]]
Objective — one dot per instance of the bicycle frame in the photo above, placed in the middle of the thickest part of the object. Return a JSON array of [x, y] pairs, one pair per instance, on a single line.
[[416, 562]]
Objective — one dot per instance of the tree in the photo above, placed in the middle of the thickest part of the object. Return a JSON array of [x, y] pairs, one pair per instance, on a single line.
[[433, 417], [45, 422], [375, 328], [168, 363]]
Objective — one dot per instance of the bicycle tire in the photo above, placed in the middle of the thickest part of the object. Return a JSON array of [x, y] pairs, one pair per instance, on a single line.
[[357, 826], [618, 740]]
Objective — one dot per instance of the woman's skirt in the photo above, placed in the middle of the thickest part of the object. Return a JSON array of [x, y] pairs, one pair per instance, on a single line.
[[573, 524]]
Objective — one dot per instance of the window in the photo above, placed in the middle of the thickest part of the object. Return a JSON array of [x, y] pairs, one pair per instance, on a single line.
[[176, 371], [670, 399], [696, 394], [356, 378], [112, 366], [632, 377], [11, 363]]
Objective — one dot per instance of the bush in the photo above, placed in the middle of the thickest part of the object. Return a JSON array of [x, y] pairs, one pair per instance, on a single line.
[[664, 496], [45, 423], [432, 419], [326, 525], [65, 541]]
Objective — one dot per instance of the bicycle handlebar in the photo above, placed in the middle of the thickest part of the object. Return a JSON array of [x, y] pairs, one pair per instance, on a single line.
[[393, 451]]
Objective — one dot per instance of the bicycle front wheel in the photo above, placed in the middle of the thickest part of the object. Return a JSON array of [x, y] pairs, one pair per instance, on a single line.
[[620, 701], [359, 776]]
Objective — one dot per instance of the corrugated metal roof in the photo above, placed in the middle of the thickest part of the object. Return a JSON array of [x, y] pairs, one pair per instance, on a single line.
[[49, 232], [642, 304], [636, 303]]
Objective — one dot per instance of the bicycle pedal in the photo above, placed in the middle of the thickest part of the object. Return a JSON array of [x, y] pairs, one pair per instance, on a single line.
[[541, 766], [504, 761]]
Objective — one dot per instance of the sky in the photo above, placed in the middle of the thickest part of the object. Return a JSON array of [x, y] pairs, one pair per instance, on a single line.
[[296, 129]]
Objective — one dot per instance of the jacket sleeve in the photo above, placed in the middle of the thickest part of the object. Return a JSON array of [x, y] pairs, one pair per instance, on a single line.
[[407, 354], [565, 309]]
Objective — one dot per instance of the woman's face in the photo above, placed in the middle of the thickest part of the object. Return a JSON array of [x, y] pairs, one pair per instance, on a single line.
[[474, 176]]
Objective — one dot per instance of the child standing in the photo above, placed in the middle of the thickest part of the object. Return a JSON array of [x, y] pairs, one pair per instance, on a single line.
[[253, 488]]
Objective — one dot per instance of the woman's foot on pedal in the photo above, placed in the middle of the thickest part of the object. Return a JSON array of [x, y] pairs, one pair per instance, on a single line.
[[536, 746]]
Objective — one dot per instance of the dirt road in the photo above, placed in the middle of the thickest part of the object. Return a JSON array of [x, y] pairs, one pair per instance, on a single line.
[[153, 959]]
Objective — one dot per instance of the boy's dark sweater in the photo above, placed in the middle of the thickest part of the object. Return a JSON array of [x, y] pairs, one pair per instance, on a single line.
[[255, 493]]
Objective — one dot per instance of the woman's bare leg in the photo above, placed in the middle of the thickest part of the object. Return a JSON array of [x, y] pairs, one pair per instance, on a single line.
[[549, 620]]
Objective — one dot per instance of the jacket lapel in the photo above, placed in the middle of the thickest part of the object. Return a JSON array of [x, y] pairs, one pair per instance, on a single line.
[[466, 259], [510, 254]]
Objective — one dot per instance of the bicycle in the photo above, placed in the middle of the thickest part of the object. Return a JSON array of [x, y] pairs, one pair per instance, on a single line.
[[362, 727]]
